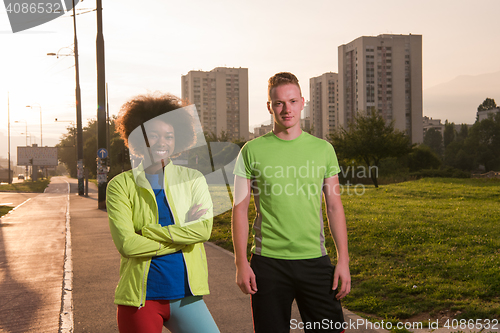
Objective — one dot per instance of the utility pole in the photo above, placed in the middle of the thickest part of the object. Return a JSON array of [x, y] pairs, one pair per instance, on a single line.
[[79, 131], [102, 169], [8, 134]]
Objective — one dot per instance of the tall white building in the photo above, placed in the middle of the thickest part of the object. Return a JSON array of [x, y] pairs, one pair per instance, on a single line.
[[383, 73], [221, 99], [323, 104]]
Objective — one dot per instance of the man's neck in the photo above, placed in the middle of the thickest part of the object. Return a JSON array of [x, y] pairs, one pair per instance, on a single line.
[[287, 133]]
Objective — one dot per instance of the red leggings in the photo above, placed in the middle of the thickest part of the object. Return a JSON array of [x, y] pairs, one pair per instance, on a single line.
[[146, 319], [186, 315]]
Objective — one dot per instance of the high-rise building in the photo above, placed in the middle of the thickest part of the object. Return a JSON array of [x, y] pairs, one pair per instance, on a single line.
[[323, 104], [221, 99], [383, 73]]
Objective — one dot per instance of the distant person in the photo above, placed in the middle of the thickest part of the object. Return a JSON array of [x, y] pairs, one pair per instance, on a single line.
[[159, 215], [288, 170]]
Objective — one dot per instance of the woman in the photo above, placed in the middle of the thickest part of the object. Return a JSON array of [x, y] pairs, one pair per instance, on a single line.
[[159, 215]]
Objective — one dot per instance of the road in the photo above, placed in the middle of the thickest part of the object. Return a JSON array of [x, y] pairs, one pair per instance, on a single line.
[[13, 199]]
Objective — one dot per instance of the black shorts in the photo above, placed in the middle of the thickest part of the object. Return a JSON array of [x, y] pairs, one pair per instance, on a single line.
[[308, 281]]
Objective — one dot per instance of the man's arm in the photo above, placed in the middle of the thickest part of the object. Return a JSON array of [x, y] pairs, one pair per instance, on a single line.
[[245, 277], [338, 229]]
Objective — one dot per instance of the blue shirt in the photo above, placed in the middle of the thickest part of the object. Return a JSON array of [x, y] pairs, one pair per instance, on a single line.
[[167, 278]]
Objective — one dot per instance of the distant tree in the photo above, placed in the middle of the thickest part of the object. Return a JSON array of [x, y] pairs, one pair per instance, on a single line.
[[370, 139], [464, 132], [223, 137], [483, 142], [118, 154], [479, 145], [488, 104], [213, 137], [449, 133], [66, 151], [434, 140], [423, 157]]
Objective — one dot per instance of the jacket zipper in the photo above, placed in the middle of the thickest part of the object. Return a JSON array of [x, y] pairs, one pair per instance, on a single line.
[[175, 222], [144, 282], [143, 293]]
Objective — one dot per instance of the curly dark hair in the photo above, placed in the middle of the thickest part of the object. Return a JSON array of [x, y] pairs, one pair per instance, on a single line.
[[142, 108], [280, 79]]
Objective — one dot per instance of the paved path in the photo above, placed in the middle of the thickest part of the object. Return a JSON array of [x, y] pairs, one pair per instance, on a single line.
[[32, 242]]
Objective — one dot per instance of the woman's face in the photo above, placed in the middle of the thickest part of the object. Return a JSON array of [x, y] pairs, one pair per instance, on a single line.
[[161, 139]]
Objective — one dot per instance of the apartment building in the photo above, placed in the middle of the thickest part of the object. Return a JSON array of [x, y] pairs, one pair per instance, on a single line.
[[384, 73], [484, 114], [323, 104], [221, 99], [429, 123]]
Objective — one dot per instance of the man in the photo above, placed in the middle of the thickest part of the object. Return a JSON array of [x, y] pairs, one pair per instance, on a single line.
[[288, 170]]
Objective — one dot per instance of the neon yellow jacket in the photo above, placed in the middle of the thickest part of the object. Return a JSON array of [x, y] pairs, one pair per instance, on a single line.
[[132, 207]]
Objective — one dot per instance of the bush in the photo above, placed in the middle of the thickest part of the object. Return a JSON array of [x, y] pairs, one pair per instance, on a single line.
[[421, 158], [441, 173]]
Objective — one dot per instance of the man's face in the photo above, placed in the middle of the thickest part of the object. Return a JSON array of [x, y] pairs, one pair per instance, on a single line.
[[285, 105]]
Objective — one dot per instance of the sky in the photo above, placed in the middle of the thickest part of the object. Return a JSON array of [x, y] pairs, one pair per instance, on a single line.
[[150, 44]]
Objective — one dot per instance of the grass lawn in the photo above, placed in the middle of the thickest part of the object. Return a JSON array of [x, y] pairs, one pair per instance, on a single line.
[[26, 186], [423, 249], [4, 210]]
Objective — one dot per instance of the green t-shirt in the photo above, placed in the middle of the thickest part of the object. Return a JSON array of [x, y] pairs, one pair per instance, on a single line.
[[287, 179]]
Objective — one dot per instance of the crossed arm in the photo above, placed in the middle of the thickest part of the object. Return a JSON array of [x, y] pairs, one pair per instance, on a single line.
[[154, 240]]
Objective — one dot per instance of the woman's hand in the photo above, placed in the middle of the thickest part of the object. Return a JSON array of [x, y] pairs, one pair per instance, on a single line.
[[195, 213]]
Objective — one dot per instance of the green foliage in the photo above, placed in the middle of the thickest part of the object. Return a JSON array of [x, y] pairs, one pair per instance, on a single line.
[[434, 140], [425, 246], [484, 141], [26, 186], [4, 210], [422, 157], [449, 133], [370, 139], [447, 172], [488, 104], [118, 154], [223, 137], [475, 146]]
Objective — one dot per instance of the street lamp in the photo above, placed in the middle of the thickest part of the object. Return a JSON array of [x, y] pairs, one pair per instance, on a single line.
[[79, 130], [26, 171], [26, 125], [27, 135], [38, 106]]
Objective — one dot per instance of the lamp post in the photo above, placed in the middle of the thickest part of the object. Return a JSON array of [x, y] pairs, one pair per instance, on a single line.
[[102, 169], [27, 135], [26, 131], [79, 130], [38, 106], [8, 134]]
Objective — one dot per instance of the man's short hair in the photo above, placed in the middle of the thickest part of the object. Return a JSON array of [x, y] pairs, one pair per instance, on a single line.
[[280, 79]]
